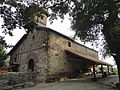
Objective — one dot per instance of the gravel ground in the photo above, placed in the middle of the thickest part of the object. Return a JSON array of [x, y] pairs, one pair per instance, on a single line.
[[78, 84]]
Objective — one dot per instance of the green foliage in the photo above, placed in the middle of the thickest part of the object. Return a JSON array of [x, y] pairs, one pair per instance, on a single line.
[[16, 13], [3, 44], [2, 56], [92, 17], [113, 73], [2, 1]]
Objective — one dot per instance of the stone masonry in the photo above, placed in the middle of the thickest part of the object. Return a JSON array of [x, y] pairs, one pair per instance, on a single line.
[[47, 48]]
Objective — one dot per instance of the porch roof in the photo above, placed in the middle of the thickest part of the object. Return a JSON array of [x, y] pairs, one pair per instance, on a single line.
[[73, 54]]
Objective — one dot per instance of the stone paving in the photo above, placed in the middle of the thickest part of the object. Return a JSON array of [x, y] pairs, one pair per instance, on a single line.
[[78, 84]]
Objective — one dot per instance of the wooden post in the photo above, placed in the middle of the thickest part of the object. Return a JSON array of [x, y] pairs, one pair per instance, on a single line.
[[108, 70], [112, 69], [94, 74], [102, 71]]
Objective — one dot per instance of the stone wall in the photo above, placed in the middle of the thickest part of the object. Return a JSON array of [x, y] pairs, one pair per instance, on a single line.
[[82, 50], [33, 47], [55, 54], [57, 58], [17, 77], [58, 61], [47, 49]]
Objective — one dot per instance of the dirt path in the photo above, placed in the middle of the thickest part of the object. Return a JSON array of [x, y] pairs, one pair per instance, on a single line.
[[77, 84]]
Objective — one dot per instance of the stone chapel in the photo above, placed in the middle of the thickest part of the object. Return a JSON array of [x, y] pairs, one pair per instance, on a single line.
[[52, 54]]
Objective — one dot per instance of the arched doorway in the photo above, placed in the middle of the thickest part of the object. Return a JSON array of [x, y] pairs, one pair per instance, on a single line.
[[33, 58], [31, 65]]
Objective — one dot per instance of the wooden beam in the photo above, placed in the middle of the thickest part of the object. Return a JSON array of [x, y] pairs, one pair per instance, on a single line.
[[112, 69], [102, 71], [108, 70]]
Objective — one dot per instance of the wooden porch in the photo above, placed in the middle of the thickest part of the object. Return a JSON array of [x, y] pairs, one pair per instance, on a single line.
[[76, 56]]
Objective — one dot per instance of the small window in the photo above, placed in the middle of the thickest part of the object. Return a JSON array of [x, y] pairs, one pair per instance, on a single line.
[[33, 37], [42, 17], [69, 44]]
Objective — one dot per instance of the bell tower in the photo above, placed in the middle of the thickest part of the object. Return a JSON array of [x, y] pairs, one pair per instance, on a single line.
[[41, 19]]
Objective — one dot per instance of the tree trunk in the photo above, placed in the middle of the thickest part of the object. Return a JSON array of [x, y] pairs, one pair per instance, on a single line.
[[117, 59]]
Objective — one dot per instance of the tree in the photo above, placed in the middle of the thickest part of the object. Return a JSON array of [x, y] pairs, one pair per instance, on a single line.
[[94, 16], [89, 19], [2, 54]]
